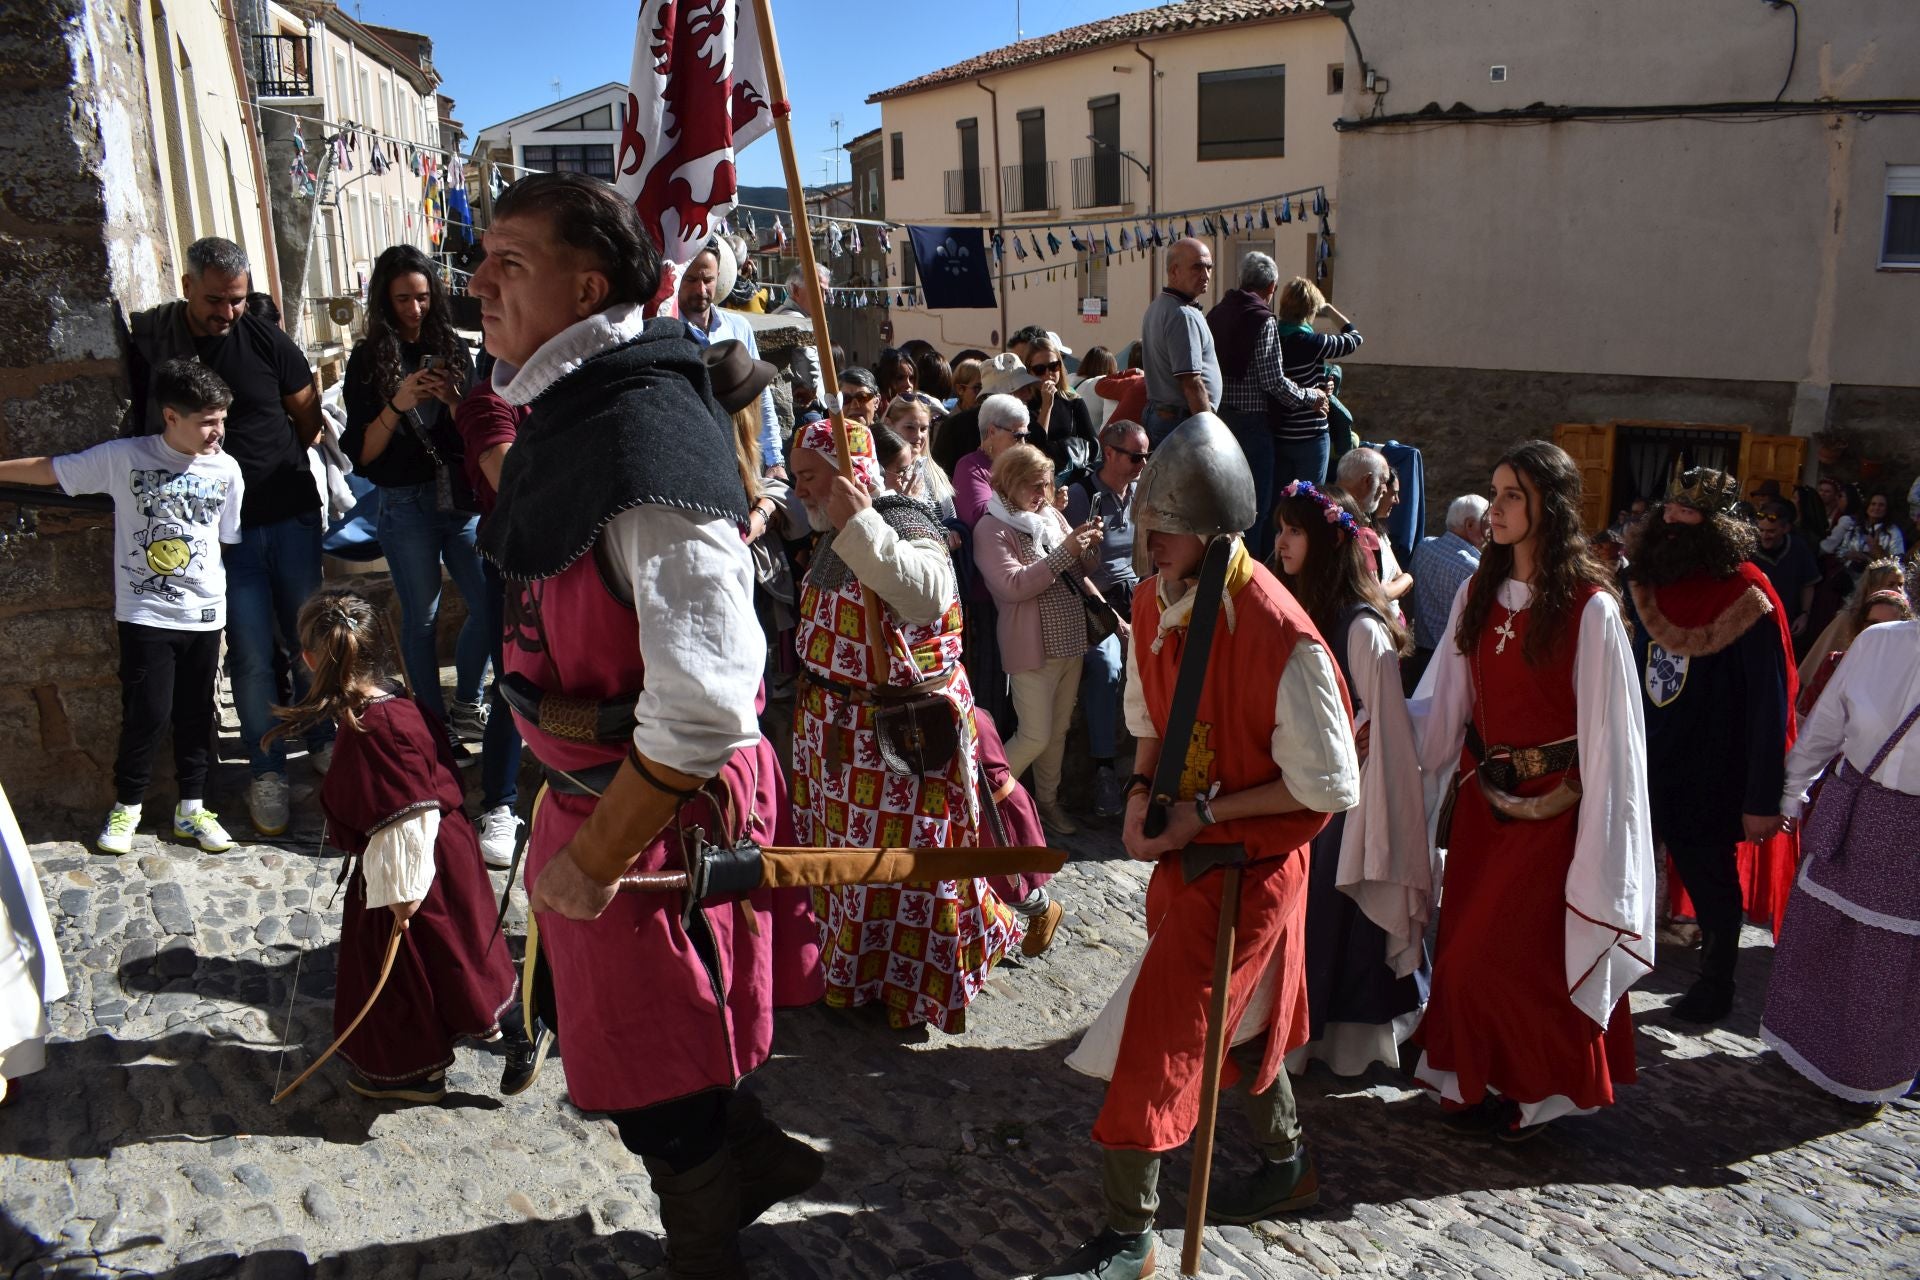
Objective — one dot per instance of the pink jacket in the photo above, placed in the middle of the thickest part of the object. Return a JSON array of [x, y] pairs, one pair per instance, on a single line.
[[1017, 586]]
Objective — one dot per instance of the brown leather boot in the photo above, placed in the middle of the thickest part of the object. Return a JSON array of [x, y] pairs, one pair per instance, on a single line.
[[774, 1165], [700, 1216]]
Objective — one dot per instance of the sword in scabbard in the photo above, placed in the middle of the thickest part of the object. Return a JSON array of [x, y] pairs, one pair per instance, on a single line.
[[716, 871]]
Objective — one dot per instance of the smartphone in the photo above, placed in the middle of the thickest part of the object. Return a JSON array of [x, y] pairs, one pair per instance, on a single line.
[[428, 363]]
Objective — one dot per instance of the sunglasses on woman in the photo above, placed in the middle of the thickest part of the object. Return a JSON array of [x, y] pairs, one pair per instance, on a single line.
[[1042, 370]]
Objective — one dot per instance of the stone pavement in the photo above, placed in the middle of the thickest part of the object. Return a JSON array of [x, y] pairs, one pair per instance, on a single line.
[[148, 1147]]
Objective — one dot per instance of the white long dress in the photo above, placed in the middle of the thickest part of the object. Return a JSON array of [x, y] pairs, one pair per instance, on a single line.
[[31, 976]]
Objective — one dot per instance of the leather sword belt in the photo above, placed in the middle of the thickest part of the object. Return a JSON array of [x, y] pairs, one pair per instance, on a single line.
[[571, 719], [886, 695], [592, 782], [1499, 769]]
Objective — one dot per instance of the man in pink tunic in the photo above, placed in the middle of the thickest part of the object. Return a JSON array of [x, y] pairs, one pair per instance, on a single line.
[[633, 659]]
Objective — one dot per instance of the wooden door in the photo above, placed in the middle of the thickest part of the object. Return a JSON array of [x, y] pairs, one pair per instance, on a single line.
[[1778, 458], [1590, 445]]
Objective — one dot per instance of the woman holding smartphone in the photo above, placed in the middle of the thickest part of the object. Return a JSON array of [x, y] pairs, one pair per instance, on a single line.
[[403, 381]]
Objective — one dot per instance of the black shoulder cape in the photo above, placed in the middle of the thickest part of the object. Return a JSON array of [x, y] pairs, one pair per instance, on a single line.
[[635, 425]]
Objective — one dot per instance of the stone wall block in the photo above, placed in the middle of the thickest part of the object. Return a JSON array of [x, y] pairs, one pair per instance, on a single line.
[[63, 645], [54, 303], [62, 416]]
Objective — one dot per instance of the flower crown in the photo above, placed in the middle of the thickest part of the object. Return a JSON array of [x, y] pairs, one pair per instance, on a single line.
[[1333, 511]]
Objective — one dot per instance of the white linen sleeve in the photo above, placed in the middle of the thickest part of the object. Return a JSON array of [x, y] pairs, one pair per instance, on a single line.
[[1440, 710], [1822, 734], [398, 863], [691, 581], [915, 578], [1133, 700], [1610, 885], [1385, 863], [1312, 737]]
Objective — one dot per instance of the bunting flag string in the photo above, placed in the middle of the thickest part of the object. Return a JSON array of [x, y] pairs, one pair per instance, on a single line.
[[1043, 239]]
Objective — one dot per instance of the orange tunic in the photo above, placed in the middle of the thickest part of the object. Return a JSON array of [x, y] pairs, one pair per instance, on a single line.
[[1153, 1101]]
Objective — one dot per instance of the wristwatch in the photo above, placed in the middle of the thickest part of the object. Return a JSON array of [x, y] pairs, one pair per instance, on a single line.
[[1204, 811]]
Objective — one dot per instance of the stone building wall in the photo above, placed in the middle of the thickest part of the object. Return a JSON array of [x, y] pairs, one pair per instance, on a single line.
[[1464, 419], [81, 245]]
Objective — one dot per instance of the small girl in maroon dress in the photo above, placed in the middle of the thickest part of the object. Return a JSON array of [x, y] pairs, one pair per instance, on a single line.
[[393, 803]]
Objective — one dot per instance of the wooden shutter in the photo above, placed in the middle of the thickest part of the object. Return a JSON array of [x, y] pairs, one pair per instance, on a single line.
[[1590, 445], [1778, 458]]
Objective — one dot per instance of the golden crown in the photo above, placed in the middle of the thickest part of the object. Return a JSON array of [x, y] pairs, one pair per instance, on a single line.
[[1705, 489]]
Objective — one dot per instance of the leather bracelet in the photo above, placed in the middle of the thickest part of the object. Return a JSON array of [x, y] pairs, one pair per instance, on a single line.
[[640, 767], [1138, 782], [1203, 811]]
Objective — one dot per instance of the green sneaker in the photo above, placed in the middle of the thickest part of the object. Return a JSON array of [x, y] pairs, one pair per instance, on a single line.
[[202, 825], [117, 835], [1111, 1255], [1279, 1186]]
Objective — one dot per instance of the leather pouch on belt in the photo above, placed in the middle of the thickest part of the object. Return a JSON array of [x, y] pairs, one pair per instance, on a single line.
[[919, 737]]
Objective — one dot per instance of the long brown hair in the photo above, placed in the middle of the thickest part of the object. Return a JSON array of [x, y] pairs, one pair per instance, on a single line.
[[352, 646], [437, 335], [1336, 573], [746, 448], [1565, 562]]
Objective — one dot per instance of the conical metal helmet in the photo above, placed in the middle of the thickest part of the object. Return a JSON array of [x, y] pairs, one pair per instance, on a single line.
[[1197, 482]]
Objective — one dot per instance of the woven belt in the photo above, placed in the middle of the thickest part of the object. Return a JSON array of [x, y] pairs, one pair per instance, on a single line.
[[1507, 767], [885, 695]]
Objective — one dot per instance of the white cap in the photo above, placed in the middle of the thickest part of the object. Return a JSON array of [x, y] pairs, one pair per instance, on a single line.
[[1053, 340]]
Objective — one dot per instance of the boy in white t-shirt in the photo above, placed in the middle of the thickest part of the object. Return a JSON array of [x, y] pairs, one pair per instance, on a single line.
[[176, 498]]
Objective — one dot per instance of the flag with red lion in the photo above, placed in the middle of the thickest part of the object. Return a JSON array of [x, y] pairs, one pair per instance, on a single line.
[[696, 96]]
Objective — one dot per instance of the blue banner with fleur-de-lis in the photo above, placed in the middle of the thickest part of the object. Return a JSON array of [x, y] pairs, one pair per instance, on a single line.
[[955, 267]]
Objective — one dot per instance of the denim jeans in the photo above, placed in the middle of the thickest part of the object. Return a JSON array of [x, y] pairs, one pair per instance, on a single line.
[[1275, 464], [500, 748], [1100, 678], [1250, 429], [270, 574], [417, 538]]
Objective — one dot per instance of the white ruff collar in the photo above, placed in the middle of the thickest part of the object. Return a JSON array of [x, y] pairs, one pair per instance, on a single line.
[[566, 351]]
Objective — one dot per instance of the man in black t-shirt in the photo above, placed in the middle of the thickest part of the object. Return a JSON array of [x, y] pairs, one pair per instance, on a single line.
[[275, 416]]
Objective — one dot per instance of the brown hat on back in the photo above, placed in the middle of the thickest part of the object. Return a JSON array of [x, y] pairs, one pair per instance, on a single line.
[[738, 379]]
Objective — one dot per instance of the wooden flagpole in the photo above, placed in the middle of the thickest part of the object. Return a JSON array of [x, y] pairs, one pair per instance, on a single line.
[[816, 296]]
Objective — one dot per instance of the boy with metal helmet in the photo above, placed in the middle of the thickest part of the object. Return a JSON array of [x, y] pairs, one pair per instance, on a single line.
[[1264, 753]]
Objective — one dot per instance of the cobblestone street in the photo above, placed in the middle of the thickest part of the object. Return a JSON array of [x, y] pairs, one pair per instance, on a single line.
[[149, 1146]]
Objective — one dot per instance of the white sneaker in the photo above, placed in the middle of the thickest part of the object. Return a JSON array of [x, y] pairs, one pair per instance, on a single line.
[[204, 826], [268, 804], [321, 757], [116, 836], [499, 835]]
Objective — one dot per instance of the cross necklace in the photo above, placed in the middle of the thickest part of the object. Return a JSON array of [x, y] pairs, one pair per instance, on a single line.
[[1505, 629]]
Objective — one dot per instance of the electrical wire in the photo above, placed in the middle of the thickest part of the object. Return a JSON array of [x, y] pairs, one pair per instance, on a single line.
[[1793, 55], [1717, 112]]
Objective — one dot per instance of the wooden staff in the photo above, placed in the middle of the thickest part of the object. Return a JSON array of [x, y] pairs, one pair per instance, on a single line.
[[816, 296], [1210, 1075]]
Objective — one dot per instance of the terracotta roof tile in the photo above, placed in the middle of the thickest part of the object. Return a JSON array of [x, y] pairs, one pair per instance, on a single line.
[[1167, 19]]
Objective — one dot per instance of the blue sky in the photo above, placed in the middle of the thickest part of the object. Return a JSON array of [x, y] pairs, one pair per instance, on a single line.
[[499, 58]]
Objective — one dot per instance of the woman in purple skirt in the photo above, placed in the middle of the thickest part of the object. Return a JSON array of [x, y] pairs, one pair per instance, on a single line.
[[1844, 1006]]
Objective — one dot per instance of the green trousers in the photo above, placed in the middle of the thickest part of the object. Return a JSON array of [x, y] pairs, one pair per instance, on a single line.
[[1130, 1180]]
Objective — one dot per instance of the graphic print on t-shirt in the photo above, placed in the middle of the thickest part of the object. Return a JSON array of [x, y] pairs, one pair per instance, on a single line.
[[167, 549]]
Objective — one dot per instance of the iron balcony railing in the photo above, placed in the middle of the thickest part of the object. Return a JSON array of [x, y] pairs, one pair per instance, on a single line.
[[286, 66], [1102, 180], [966, 190], [1028, 188]]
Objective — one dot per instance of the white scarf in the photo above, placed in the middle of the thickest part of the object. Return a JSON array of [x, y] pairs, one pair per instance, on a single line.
[[566, 351], [1041, 526]]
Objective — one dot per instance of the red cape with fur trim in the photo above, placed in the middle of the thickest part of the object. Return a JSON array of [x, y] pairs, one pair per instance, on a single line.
[[1704, 615]]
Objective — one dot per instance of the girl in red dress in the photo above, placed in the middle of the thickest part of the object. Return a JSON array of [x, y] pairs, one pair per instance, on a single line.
[[393, 803], [1534, 752]]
